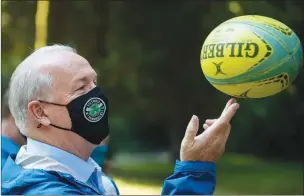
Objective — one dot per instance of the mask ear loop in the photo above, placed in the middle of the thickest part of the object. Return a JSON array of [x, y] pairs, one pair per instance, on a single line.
[[39, 125]]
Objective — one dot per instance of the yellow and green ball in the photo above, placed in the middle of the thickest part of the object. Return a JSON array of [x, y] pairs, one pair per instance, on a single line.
[[251, 57]]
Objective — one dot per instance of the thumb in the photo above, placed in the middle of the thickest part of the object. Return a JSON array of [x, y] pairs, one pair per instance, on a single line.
[[192, 129]]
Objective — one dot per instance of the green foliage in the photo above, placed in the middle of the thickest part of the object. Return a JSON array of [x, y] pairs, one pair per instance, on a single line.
[[18, 33]]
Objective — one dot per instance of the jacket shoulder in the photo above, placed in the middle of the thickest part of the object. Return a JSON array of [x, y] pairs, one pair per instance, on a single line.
[[53, 188], [39, 182]]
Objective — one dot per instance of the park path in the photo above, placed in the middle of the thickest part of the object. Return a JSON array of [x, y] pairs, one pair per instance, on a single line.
[[128, 188]]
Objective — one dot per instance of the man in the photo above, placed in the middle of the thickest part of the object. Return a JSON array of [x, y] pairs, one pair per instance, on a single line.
[[57, 105], [11, 139]]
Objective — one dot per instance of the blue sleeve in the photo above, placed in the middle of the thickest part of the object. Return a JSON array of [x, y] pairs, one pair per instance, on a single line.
[[191, 178]]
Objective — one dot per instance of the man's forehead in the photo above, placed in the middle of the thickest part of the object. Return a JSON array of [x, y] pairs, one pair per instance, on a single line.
[[65, 59], [67, 66]]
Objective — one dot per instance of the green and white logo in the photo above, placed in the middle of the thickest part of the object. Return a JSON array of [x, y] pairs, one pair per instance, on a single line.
[[94, 109]]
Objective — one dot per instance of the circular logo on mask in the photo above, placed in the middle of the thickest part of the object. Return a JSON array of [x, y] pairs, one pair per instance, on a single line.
[[94, 109]]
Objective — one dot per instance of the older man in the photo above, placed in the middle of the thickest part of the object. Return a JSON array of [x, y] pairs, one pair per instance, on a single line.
[[11, 138], [57, 105]]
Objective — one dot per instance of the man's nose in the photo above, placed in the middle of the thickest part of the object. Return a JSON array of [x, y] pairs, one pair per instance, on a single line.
[[91, 86]]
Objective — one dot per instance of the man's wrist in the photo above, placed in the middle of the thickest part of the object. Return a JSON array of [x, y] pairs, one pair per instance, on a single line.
[[195, 166]]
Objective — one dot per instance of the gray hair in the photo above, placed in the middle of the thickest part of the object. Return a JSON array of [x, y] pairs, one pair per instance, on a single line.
[[28, 83]]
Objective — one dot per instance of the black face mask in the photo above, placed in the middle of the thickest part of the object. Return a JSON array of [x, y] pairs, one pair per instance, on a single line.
[[89, 115]]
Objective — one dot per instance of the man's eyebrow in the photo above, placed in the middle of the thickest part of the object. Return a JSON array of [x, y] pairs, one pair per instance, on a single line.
[[83, 79]]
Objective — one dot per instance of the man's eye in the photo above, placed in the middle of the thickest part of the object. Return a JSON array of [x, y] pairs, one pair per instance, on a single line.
[[95, 82], [81, 88]]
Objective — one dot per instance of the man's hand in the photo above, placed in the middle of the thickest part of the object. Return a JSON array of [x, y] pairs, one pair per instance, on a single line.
[[209, 145]]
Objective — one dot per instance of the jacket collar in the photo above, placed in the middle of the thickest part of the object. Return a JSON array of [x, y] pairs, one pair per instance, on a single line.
[[38, 155]]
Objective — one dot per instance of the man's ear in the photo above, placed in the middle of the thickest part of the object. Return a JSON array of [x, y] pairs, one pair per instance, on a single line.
[[36, 109]]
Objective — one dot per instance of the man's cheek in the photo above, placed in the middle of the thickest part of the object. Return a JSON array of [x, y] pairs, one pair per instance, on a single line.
[[62, 117]]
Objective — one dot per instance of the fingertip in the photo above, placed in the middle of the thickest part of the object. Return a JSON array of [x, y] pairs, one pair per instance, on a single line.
[[205, 126], [231, 112], [235, 106], [194, 120], [192, 128], [229, 103], [194, 117], [209, 122]]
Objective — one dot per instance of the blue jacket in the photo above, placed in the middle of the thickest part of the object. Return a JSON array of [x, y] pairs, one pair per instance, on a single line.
[[7, 147], [188, 178]]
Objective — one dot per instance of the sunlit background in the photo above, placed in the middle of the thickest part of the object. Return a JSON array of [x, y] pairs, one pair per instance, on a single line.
[[147, 56]]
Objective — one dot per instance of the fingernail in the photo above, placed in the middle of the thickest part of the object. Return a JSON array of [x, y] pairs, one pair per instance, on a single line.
[[193, 117]]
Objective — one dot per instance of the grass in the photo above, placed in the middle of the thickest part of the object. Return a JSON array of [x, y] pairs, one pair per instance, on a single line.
[[236, 174], [250, 175]]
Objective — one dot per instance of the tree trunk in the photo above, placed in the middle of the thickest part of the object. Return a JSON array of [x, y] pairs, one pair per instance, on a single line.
[[58, 21]]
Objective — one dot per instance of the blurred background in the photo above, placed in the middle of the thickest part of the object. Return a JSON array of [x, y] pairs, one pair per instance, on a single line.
[[147, 56]]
